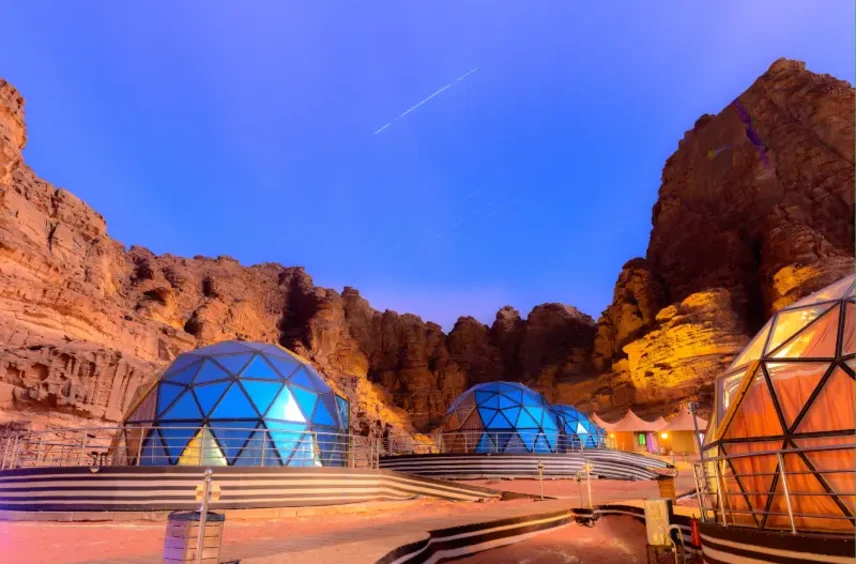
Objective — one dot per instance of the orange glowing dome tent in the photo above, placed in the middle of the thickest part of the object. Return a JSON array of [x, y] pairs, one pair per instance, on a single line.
[[785, 412]]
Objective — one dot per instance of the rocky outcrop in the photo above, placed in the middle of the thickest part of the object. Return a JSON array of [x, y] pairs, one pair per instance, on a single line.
[[83, 320], [733, 240]]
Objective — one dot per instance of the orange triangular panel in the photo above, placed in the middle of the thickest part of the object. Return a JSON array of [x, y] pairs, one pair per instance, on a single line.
[[754, 472], [815, 341], [788, 323], [832, 409], [808, 510], [756, 414], [793, 383], [835, 466]]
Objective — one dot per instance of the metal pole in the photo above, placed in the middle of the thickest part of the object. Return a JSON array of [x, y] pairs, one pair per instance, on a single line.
[[203, 515], [264, 444], [692, 407], [787, 492], [541, 478], [140, 446], [699, 493], [377, 454], [83, 446], [587, 465], [12, 459], [720, 500], [39, 449]]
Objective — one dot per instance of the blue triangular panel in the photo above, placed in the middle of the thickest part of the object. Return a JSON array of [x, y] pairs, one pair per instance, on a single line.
[[210, 372], [322, 415], [226, 347], [259, 446], [302, 378], [260, 368], [183, 376], [482, 397], [153, 453], [181, 361], [285, 436], [506, 402], [166, 395], [500, 422], [184, 408], [305, 399], [285, 365], [528, 437], [344, 409], [526, 421], [232, 436], [262, 393], [234, 405], [486, 444], [285, 407], [541, 446], [487, 415], [176, 439], [209, 394], [234, 363]]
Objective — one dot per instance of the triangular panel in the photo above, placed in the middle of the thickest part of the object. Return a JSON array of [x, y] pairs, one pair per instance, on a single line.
[[832, 409], [756, 415], [788, 323], [835, 466], [232, 436], [316, 379], [209, 394], [202, 450], [511, 443], [182, 361], [808, 510], [233, 363], [153, 452], [344, 409], [528, 436], [166, 395], [261, 369], [285, 365], [146, 410], [225, 347], [234, 405], [258, 447], [818, 340], [176, 439], [306, 400], [541, 445], [754, 350], [285, 407], [183, 376], [526, 421], [302, 378], [506, 402], [262, 394], [184, 407], [210, 372], [532, 398], [487, 415], [499, 421], [323, 415], [755, 472], [832, 292], [793, 383], [486, 444], [285, 437]]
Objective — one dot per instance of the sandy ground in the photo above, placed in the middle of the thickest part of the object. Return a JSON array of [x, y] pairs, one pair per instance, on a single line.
[[70, 543], [602, 491], [612, 540]]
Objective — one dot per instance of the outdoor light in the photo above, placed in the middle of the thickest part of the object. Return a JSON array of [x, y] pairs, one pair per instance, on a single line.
[[612, 435], [664, 435]]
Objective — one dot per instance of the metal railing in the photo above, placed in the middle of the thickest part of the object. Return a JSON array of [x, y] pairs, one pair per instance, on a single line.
[[186, 446], [491, 442], [723, 501]]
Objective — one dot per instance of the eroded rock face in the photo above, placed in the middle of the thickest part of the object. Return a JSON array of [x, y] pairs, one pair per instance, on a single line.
[[83, 320], [732, 242]]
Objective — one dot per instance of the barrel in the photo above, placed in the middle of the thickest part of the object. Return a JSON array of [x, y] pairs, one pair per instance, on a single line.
[[182, 532]]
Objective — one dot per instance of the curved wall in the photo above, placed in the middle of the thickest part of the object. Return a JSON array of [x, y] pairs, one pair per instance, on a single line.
[[174, 487], [613, 465]]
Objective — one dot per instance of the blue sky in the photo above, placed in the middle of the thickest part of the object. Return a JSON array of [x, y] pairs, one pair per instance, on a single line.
[[247, 129]]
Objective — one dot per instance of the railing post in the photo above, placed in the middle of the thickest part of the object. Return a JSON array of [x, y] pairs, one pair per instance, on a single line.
[[83, 447], [466, 446], [264, 444], [377, 454], [14, 454], [719, 498], [699, 493], [787, 492], [203, 515], [140, 445]]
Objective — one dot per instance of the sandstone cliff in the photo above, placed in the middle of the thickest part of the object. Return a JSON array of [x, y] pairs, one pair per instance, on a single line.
[[84, 321], [732, 241]]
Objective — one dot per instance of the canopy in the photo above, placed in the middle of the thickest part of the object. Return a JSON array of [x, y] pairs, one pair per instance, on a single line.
[[632, 423], [601, 423], [683, 421]]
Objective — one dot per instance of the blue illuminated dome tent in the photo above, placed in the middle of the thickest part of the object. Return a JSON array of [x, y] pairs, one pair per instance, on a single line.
[[238, 403], [577, 430], [500, 417]]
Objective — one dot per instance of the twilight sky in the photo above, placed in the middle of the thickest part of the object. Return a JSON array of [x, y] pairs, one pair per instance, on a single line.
[[247, 129]]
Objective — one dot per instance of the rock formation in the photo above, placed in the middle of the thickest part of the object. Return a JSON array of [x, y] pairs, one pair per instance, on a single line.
[[732, 240], [84, 321]]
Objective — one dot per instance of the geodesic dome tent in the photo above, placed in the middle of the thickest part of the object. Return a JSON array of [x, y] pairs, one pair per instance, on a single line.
[[792, 390], [502, 417], [576, 429], [238, 403]]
